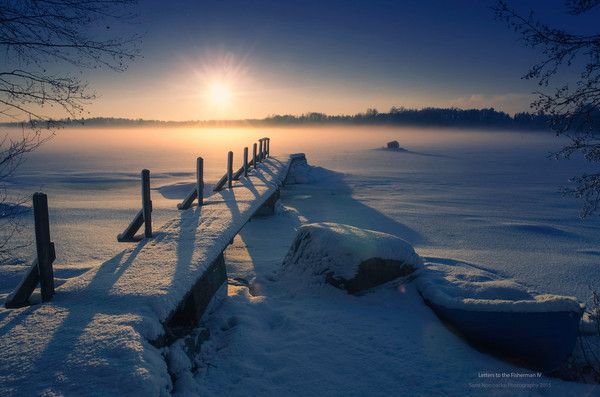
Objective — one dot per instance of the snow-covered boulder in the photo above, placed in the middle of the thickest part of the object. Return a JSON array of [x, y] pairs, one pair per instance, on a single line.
[[348, 257], [502, 315]]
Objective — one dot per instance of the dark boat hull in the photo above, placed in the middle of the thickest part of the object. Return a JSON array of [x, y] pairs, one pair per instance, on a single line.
[[541, 340]]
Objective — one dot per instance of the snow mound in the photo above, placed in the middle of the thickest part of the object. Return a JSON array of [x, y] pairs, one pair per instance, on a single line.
[[464, 287], [348, 257]]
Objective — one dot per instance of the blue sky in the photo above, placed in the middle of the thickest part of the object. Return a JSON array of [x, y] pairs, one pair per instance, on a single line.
[[275, 57]]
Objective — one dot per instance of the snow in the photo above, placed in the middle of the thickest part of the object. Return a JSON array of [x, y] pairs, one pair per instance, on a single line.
[[321, 248], [460, 286], [299, 170], [94, 335], [276, 335], [488, 199]]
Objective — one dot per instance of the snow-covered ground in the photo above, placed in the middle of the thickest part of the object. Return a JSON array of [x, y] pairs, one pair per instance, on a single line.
[[487, 198]]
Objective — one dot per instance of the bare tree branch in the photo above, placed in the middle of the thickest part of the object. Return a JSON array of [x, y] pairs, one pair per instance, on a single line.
[[35, 37], [574, 110]]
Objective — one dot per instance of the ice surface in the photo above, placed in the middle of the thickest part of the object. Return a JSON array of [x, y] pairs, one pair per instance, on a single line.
[[488, 198]]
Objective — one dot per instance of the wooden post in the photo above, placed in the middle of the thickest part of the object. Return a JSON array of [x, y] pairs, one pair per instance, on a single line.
[[144, 216], [260, 149], [44, 247], [264, 151], [229, 169], [41, 269], [268, 147], [245, 162], [200, 180], [146, 203], [254, 160], [198, 190]]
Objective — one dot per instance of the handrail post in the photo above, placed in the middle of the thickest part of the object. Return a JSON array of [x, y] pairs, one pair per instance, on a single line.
[[260, 150], [44, 247], [146, 203], [254, 159], [41, 269], [267, 143], [200, 180], [229, 169], [245, 162]]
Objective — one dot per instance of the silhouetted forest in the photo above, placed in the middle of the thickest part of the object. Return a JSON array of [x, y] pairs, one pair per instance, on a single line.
[[425, 117], [435, 117]]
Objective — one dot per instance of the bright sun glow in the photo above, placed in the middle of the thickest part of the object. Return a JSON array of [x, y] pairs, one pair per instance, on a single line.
[[219, 94]]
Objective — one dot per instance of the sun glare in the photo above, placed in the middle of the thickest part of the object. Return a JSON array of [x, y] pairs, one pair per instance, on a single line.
[[219, 94]]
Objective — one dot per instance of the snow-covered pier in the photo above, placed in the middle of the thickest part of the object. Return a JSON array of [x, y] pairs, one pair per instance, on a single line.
[[104, 333]]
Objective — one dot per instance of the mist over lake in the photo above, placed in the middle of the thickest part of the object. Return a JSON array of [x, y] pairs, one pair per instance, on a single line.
[[489, 197]]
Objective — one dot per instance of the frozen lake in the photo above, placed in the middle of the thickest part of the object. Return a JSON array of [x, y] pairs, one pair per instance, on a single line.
[[489, 198]]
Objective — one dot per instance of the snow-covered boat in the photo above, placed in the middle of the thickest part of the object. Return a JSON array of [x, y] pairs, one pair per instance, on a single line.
[[501, 315]]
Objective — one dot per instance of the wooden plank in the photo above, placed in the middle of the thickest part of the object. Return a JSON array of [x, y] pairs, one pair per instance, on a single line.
[[20, 296], [188, 200], [134, 226], [220, 183]]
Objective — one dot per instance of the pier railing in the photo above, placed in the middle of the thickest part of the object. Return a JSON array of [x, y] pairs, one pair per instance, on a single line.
[[41, 270]]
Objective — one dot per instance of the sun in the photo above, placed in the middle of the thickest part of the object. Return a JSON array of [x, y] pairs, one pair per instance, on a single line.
[[219, 93]]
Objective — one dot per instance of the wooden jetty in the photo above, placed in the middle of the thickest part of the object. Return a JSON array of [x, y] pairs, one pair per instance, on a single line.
[[131, 307]]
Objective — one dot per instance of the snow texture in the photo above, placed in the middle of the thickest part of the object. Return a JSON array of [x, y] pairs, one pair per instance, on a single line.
[[321, 248], [482, 197], [279, 336], [460, 286], [93, 337]]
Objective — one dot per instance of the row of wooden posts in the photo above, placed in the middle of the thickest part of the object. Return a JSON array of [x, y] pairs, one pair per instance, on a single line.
[[144, 216], [41, 270]]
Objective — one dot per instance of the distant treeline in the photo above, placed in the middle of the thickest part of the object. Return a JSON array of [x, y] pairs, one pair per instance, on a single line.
[[451, 117], [425, 117]]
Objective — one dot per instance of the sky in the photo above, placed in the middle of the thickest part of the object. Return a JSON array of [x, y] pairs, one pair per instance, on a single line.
[[236, 59]]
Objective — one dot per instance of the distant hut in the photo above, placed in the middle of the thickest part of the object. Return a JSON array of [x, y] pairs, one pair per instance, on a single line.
[[393, 145]]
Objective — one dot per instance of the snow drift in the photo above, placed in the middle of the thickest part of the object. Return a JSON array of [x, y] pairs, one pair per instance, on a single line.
[[348, 257], [538, 330]]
